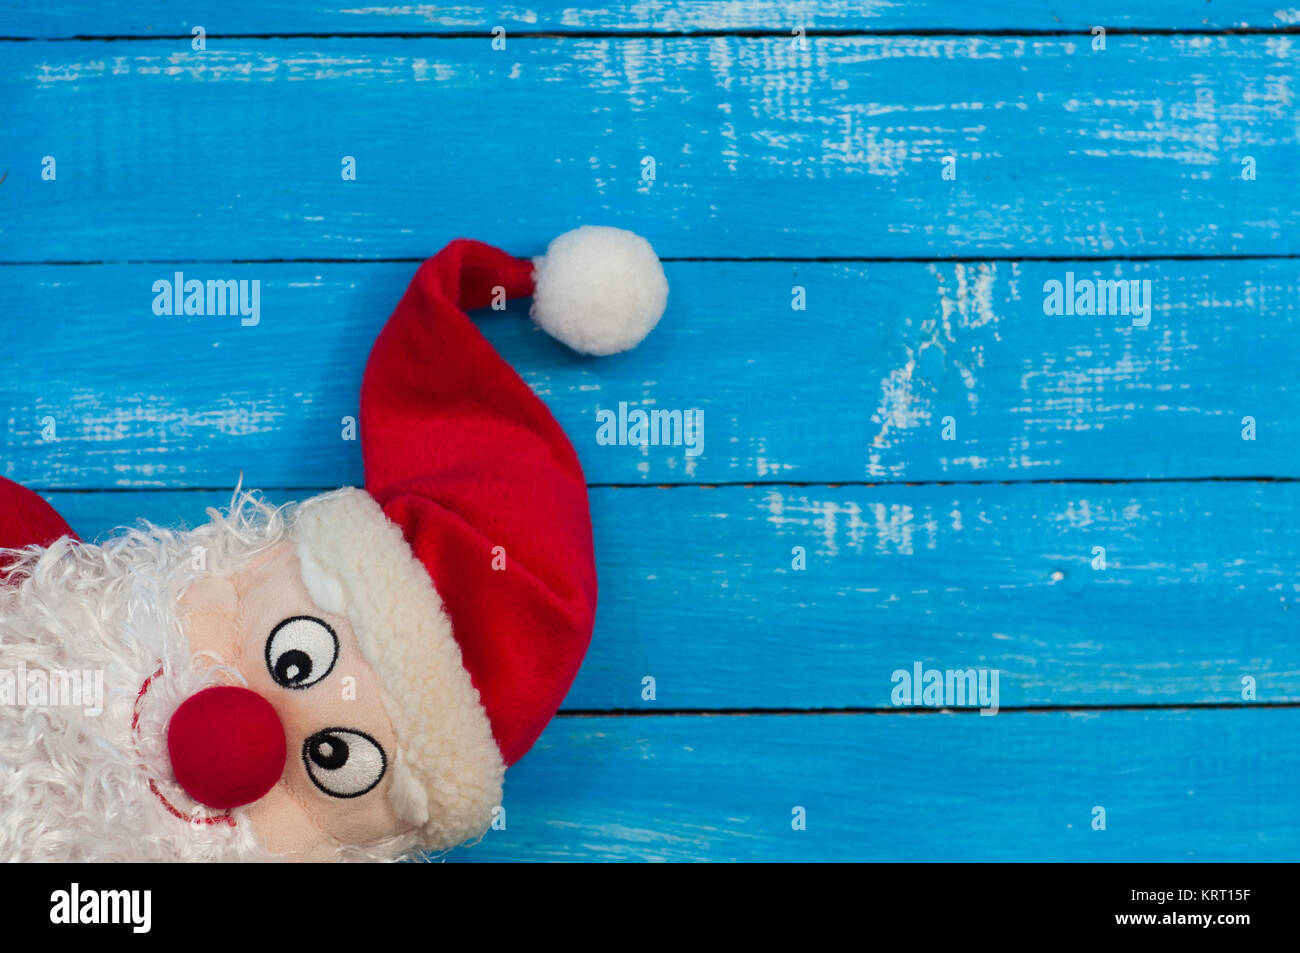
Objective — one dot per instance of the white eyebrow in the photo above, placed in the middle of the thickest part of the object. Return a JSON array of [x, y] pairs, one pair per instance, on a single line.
[[323, 587]]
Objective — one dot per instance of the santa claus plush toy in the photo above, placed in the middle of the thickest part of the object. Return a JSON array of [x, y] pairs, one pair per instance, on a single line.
[[343, 678]]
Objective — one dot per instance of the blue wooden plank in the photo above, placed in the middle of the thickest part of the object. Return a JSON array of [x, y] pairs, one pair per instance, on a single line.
[[154, 17], [1175, 786], [763, 150], [886, 360], [759, 149], [699, 591]]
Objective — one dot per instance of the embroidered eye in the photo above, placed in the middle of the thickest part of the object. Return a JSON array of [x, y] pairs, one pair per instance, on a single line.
[[342, 762], [301, 651]]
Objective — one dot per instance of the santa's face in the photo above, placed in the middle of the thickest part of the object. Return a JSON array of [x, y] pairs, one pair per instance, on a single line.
[[215, 661], [263, 632]]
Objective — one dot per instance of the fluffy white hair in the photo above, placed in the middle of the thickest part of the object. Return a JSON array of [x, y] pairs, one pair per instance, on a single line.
[[76, 786]]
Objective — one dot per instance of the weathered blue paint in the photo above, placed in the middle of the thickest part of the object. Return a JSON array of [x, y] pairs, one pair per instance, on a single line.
[[759, 149], [1174, 785], [225, 164], [857, 387], [1196, 590], [145, 18]]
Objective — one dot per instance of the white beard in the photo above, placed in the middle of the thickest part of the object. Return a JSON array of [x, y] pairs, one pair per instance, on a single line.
[[75, 786]]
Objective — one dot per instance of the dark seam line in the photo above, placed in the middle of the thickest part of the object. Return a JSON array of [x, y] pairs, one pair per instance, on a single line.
[[215, 261], [914, 710], [830, 484], [1036, 481], [885, 259], [757, 259], [615, 34]]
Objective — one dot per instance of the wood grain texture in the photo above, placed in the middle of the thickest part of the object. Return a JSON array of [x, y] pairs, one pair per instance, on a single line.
[[1111, 165], [156, 17], [1175, 785], [856, 387], [164, 153], [698, 591]]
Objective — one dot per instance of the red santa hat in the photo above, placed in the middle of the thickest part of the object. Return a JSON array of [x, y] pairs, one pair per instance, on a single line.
[[466, 566]]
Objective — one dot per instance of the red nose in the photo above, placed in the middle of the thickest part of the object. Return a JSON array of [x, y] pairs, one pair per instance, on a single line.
[[227, 746]]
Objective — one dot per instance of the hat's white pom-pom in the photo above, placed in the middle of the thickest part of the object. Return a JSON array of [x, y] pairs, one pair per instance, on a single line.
[[600, 290]]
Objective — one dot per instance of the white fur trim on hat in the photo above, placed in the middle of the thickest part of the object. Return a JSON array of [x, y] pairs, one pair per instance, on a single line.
[[600, 290], [356, 563]]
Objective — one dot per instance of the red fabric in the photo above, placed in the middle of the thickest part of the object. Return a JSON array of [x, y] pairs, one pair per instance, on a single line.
[[464, 457], [227, 746], [26, 519]]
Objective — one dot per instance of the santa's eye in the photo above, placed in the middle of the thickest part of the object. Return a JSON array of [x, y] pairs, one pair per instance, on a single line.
[[301, 651], [342, 762]]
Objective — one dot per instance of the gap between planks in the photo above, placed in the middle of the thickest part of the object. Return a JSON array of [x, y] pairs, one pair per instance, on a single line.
[[1041, 481], [1288, 29], [704, 259], [910, 710]]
